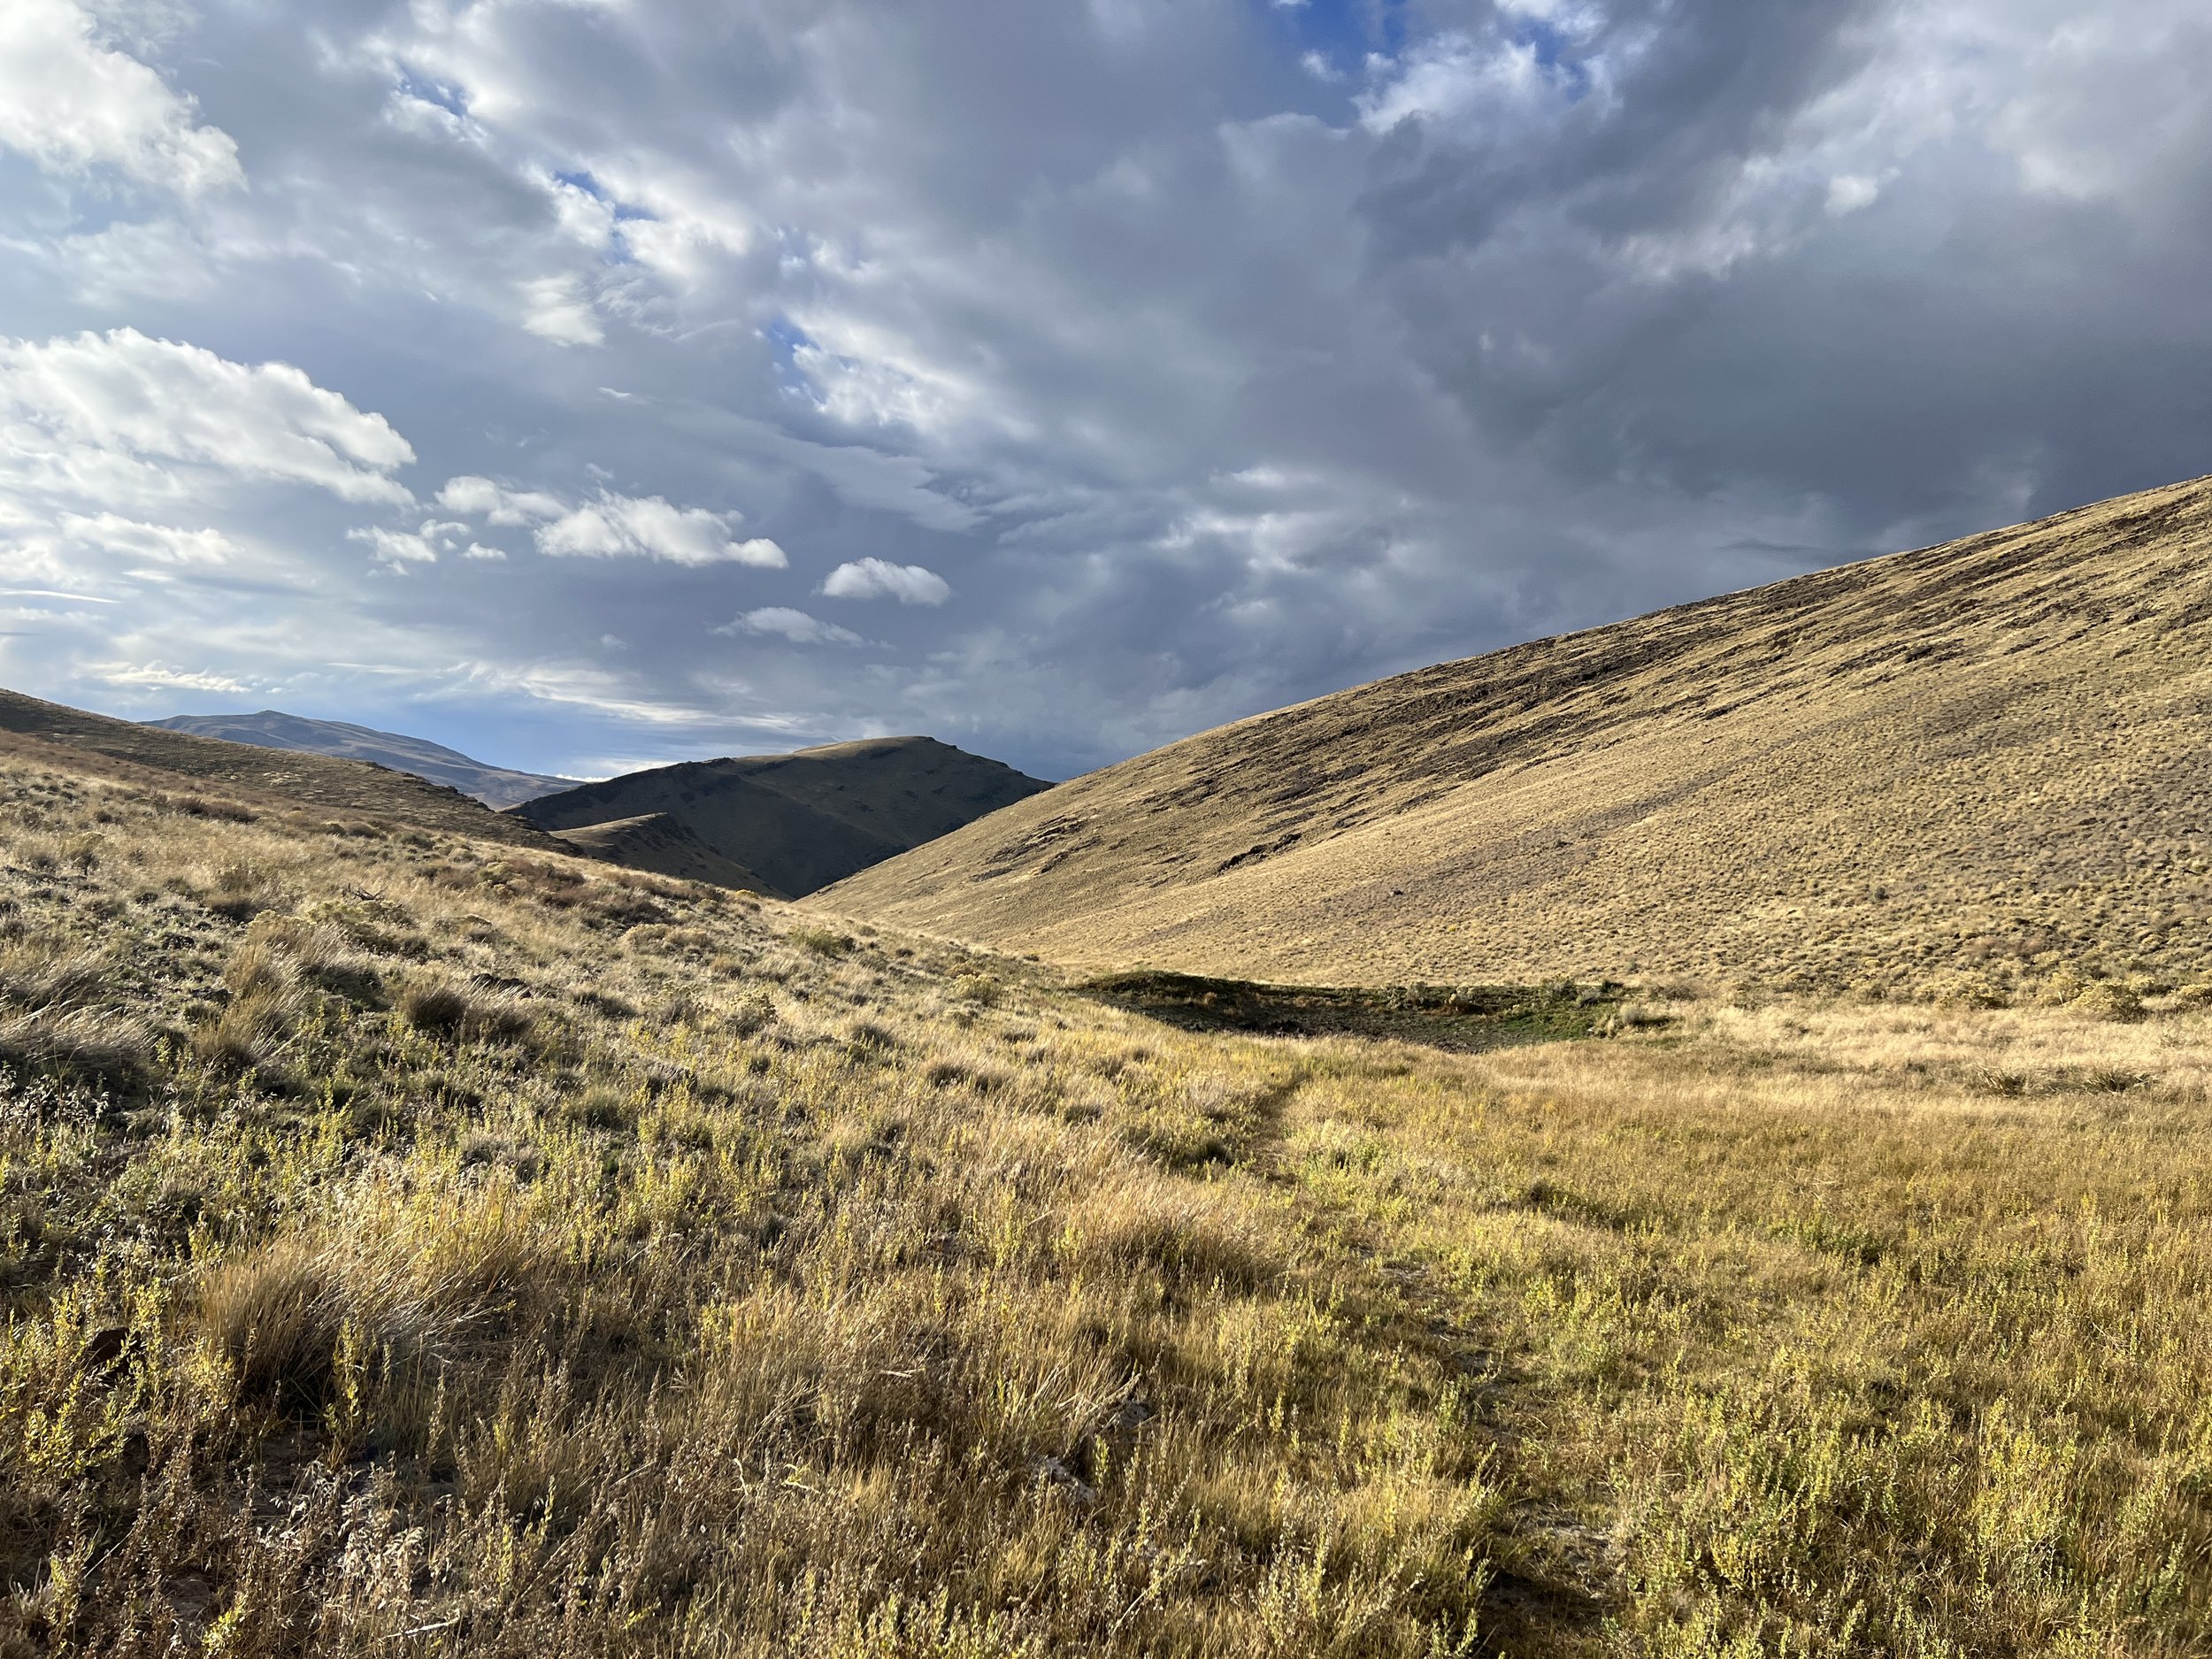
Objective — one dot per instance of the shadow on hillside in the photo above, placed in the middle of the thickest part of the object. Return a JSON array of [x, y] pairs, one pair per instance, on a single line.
[[1467, 1018]]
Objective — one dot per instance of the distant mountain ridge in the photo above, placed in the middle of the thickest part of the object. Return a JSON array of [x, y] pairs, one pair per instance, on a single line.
[[496, 786], [326, 781], [1975, 771], [802, 820]]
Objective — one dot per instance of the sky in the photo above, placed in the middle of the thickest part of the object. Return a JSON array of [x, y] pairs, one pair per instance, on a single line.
[[591, 384]]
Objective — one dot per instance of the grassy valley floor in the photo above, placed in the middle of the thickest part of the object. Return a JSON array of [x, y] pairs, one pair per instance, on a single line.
[[415, 1246]]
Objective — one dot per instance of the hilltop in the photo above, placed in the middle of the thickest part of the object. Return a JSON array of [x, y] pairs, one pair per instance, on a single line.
[[1974, 771], [496, 787], [803, 820]]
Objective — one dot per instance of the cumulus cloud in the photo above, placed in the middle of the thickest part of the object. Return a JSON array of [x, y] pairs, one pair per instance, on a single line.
[[94, 407], [610, 526], [880, 579], [497, 505], [396, 548], [794, 626], [624, 527], [100, 556], [70, 102], [158, 544]]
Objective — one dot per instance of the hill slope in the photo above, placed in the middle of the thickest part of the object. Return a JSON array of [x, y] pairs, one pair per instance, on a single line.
[[804, 820], [1971, 767], [414, 1246], [659, 843], [322, 781], [496, 787]]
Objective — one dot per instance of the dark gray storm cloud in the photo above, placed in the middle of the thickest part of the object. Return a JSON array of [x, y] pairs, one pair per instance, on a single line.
[[595, 382]]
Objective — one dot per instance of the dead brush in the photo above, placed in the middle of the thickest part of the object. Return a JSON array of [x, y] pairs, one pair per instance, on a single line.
[[603, 1106], [78, 1044], [401, 1285], [750, 1014], [945, 1072], [290, 950], [250, 1026], [240, 891], [370, 923], [442, 1007], [979, 989], [46, 974]]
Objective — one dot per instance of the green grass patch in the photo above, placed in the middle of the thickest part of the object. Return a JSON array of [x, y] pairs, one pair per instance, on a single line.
[[1467, 1018]]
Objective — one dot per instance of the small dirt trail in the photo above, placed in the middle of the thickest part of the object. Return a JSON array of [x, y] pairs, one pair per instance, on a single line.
[[1555, 1573]]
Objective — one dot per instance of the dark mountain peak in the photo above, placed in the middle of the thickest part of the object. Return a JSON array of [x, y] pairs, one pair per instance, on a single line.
[[808, 817]]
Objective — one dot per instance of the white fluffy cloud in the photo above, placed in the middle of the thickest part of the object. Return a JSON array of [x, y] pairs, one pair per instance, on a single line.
[[794, 626], [496, 504], [70, 101], [105, 552], [396, 548], [148, 543], [611, 525], [880, 579], [98, 412], [627, 526]]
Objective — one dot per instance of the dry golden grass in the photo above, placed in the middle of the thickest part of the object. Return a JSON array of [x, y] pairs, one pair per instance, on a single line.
[[569, 1262], [1954, 773]]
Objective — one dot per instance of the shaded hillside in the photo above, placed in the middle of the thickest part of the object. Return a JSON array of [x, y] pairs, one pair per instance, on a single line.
[[496, 787], [321, 781], [1969, 770], [661, 844], [804, 820]]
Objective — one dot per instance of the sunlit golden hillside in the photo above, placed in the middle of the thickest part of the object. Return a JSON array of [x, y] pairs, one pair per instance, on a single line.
[[1974, 772], [421, 1246]]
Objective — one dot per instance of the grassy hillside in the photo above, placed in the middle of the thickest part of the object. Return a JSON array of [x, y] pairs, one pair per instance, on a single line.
[[333, 784], [803, 820], [496, 787], [412, 1244], [1974, 772]]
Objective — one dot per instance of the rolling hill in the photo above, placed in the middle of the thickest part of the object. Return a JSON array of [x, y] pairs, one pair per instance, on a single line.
[[1976, 770], [496, 787], [413, 1244], [314, 780], [803, 820]]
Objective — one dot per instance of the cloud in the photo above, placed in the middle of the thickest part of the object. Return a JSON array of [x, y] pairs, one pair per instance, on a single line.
[[165, 677], [796, 625], [497, 505], [396, 548], [880, 579], [624, 527], [1292, 346], [115, 406], [70, 102], [556, 308], [160, 543]]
